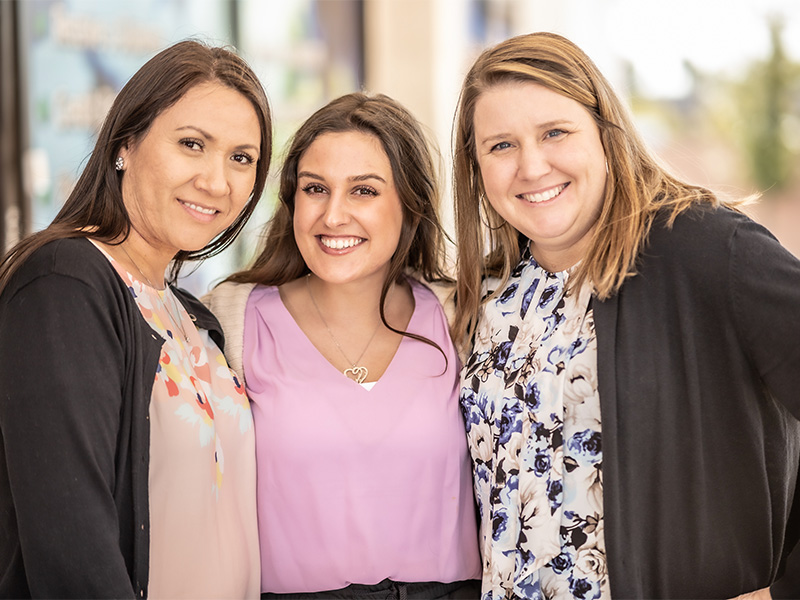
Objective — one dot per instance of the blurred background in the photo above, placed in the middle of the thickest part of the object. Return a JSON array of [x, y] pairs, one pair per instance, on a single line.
[[713, 84]]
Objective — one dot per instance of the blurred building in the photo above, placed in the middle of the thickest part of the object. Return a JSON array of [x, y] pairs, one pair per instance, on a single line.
[[62, 62]]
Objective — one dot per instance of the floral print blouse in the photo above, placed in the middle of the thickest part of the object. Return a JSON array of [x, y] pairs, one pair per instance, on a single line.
[[529, 396], [202, 477]]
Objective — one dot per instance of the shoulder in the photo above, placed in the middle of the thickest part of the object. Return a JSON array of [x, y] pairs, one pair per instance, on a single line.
[[441, 293], [75, 257], [67, 263], [700, 227], [700, 239], [228, 302], [228, 298]]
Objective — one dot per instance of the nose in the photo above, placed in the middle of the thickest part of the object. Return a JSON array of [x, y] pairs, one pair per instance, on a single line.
[[213, 178], [533, 162], [336, 210]]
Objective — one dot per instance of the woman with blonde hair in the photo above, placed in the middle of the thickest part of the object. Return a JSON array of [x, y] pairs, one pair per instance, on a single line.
[[364, 479], [631, 392]]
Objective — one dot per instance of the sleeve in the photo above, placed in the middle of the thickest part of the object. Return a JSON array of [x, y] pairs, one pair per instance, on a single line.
[[61, 379], [228, 302], [765, 280]]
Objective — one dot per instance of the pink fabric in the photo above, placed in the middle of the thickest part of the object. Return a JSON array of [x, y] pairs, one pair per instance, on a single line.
[[356, 485]]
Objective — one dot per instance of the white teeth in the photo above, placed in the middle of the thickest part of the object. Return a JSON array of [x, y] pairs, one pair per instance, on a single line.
[[340, 243], [200, 209], [542, 196]]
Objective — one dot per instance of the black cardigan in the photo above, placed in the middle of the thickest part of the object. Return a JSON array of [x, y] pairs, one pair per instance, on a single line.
[[699, 382], [77, 365]]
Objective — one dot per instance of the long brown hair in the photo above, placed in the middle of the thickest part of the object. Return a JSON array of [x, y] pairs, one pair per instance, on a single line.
[[95, 207], [421, 245], [637, 185]]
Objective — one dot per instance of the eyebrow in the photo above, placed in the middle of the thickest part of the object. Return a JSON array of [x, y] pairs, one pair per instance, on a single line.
[[540, 126], [364, 177], [211, 138]]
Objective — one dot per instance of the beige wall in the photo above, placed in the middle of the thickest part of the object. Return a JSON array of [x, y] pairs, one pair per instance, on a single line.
[[416, 51]]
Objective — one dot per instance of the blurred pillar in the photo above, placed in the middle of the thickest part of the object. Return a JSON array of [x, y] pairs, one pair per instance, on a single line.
[[398, 53], [14, 209], [417, 52]]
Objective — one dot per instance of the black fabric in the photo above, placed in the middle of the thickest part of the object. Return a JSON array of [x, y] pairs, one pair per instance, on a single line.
[[699, 381], [77, 365], [788, 586]]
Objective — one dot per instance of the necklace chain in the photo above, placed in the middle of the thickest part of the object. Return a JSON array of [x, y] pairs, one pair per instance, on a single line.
[[175, 319], [355, 372]]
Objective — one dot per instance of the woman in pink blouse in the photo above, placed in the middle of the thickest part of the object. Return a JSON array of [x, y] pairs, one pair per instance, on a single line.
[[364, 485]]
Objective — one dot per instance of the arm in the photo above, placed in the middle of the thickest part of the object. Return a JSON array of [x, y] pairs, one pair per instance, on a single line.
[[61, 379], [765, 293], [228, 301]]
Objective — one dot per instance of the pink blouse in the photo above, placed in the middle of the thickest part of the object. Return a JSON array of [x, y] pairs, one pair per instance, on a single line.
[[357, 485]]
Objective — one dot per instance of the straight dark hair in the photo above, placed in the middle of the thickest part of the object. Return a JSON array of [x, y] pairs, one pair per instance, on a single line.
[[95, 207]]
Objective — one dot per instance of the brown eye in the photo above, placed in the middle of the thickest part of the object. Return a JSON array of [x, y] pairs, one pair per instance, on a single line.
[[313, 188], [192, 144], [365, 190], [243, 158]]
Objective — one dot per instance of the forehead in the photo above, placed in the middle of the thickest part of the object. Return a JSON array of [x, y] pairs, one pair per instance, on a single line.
[[524, 102], [348, 153], [212, 101], [210, 109]]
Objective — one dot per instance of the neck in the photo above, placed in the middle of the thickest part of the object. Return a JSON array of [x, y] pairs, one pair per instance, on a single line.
[[559, 260], [347, 301], [140, 260]]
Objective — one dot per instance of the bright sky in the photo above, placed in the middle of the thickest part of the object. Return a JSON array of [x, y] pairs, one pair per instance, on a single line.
[[715, 35]]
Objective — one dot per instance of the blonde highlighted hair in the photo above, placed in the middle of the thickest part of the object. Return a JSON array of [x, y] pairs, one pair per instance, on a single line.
[[637, 185]]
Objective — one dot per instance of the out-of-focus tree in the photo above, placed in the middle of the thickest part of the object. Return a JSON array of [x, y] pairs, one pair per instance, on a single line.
[[766, 97], [750, 119]]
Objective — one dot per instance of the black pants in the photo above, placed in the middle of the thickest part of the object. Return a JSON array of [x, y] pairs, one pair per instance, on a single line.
[[392, 590]]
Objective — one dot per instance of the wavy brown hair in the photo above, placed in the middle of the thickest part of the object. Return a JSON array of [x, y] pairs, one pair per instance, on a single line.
[[637, 185], [421, 246], [95, 207]]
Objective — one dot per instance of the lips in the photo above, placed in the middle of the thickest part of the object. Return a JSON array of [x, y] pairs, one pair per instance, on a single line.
[[340, 243], [544, 196]]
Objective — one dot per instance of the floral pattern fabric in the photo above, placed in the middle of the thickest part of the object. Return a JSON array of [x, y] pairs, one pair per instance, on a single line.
[[202, 461], [532, 411]]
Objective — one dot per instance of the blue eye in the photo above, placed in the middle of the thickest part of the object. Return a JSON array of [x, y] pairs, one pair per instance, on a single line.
[[500, 146], [554, 133]]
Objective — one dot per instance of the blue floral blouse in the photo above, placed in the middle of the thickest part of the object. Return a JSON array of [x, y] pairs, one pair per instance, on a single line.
[[529, 396]]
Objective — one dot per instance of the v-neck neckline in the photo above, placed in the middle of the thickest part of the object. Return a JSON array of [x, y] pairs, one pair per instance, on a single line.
[[389, 367]]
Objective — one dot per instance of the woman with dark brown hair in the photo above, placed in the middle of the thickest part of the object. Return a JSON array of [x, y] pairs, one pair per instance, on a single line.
[[631, 391], [127, 463], [364, 482]]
